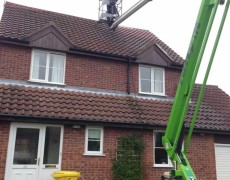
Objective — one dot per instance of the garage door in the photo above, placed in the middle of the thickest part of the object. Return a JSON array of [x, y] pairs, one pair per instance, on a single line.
[[222, 153]]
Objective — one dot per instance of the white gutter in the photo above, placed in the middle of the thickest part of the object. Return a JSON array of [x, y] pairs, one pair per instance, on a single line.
[[128, 13]]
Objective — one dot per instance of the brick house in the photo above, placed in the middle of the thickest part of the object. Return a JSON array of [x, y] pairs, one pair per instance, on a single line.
[[69, 87]]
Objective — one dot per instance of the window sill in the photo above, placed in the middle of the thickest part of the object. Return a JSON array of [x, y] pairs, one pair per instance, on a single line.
[[91, 154], [152, 94], [162, 165], [42, 82]]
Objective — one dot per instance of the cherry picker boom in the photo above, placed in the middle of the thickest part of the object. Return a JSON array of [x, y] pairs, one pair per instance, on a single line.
[[174, 134]]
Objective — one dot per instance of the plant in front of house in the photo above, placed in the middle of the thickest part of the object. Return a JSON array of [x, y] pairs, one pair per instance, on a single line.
[[128, 162]]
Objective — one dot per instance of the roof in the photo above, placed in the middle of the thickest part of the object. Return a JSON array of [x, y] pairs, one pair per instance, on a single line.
[[19, 22], [100, 108]]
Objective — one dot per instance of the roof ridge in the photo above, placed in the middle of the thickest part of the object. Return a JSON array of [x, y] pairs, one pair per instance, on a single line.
[[15, 5], [19, 6], [125, 41]]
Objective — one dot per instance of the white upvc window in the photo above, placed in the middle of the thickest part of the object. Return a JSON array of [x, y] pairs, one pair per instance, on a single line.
[[48, 67], [161, 158], [94, 141], [151, 80]]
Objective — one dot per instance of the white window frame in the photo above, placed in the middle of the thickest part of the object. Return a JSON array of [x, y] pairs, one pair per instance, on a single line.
[[154, 143], [47, 69], [94, 153], [152, 77]]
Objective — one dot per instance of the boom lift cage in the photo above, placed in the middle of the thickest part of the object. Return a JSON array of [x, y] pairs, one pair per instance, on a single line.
[[109, 10], [174, 134]]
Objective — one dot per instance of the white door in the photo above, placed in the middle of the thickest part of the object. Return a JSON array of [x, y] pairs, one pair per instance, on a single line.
[[222, 154], [34, 151]]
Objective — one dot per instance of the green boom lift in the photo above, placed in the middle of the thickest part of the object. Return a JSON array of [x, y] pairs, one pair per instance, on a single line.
[[174, 135]]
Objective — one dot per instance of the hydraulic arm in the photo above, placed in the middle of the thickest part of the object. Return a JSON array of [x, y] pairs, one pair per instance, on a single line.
[[174, 135]]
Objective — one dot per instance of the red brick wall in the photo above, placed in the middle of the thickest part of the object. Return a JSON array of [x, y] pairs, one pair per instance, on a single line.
[[96, 73], [172, 77], [14, 62], [201, 154], [4, 138], [91, 167], [81, 71]]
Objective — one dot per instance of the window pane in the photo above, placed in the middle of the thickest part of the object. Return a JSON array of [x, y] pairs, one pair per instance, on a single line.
[[158, 87], [57, 61], [52, 145], [146, 86], [145, 73], [161, 156], [158, 139], [93, 145], [42, 73], [26, 146], [94, 139], [158, 75], [56, 68], [94, 133], [158, 81], [39, 65]]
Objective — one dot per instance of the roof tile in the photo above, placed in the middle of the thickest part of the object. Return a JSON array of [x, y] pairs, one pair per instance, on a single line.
[[31, 102], [19, 22]]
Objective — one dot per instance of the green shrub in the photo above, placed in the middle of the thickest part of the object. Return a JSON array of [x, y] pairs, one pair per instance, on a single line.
[[128, 163]]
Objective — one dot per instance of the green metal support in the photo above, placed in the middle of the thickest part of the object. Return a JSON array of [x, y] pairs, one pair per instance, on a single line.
[[173, 137], [201, 93]]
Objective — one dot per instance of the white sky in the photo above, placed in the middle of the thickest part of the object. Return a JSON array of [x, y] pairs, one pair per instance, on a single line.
[[171, 21]]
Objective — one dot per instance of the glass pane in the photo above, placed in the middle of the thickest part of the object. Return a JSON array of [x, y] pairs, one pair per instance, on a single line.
[[42, 73], [158, 75], [146, 86], [158, 87], [93, 145], [158, 139], [56, 68], [39, 65], [26, 146], [145, 73], [52, 145], [41, 58], [57, 61], [94, 134], [158, 81], [161, 156]]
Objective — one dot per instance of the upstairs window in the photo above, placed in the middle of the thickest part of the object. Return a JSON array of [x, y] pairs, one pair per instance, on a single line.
[[151, 80], [94, 141], [161, 158], [48, 67]]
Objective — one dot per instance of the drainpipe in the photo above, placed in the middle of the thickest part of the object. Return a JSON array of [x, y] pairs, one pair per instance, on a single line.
[[128, 75]]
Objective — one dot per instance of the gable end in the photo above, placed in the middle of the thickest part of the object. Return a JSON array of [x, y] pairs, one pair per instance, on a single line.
[[154, 55], [49, 38]]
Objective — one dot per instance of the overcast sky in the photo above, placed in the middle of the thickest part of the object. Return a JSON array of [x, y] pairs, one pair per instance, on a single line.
[[171, 21]]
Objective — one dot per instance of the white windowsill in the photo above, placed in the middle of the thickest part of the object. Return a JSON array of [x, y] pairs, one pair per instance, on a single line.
[[44, 82], [152, 94], [163, 165], [92, 154]]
